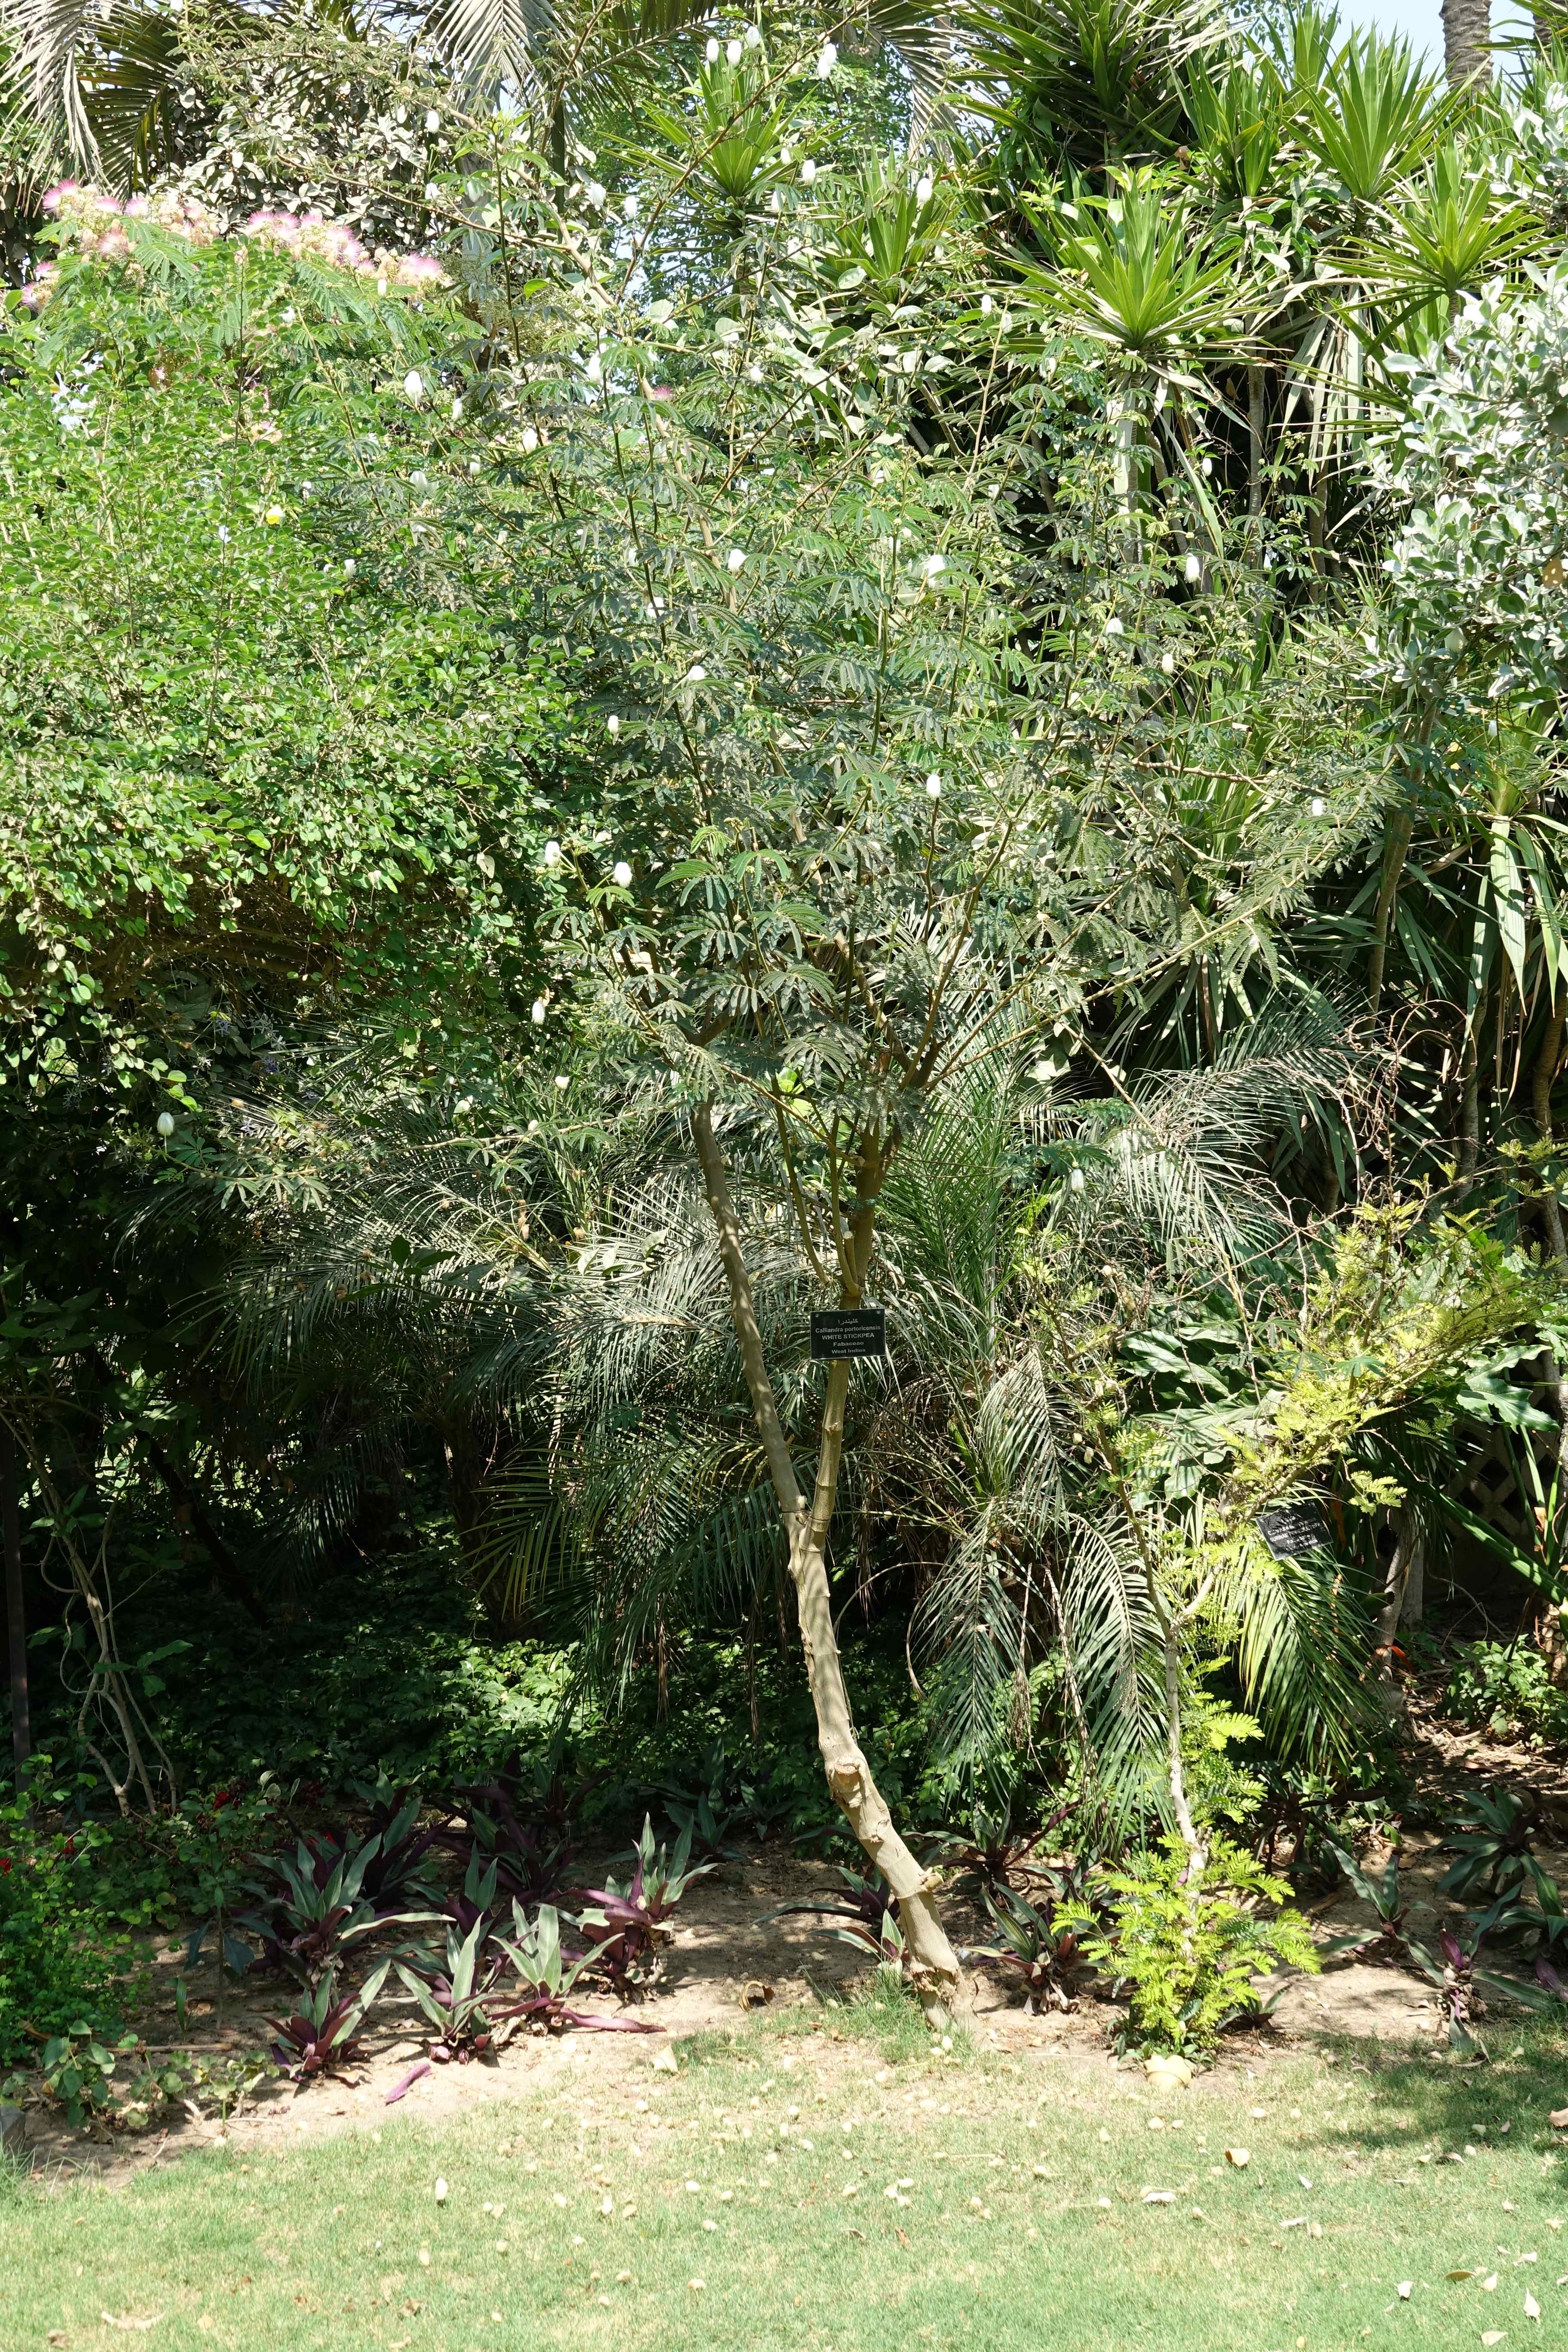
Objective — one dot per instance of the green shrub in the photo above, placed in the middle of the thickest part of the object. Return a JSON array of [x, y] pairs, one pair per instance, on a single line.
[[60, 1966], [1505, 1688], [1188, 1948]]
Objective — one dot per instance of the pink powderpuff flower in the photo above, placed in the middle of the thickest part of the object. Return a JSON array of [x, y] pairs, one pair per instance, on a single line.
[[40, 286], [52, 198], [112, 246]]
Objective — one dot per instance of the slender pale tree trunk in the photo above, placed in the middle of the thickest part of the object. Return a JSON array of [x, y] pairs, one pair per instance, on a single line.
[[1467, 38], [933, 1963]]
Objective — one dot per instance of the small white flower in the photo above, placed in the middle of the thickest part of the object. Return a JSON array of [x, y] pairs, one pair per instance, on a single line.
[[1193, 570], [1168, 663], [165, 1124], [1075, 1180], [736, 558], [562, 1082], [621, 874], [414, 386], [223, 534], [826, 61], [538, 1011], [419, 481], [432, 121], [696, 674], [553, 853], [629, 207], [1209, 465], [474, 466], [712, 53], [1320, 805], [289, 316], [530, 439], [612, 723], [986, 305], [1113, 627], [440, 2192], [595, 193], [933, 564], [807, 173], [601, 840], [457, 410], [775, 201], [924, 189], [933, 786], [732, 52], [350, 567], [595, 369], [753, 37]]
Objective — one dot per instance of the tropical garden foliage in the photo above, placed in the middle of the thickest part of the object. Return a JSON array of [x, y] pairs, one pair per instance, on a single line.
[[662, 674]]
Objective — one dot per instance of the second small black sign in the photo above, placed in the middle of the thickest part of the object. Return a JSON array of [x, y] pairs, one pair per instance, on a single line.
[[848, 1331]]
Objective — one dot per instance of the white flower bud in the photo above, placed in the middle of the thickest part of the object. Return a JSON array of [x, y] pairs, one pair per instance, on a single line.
[[553, 853], [696, 674], [350, 567], [440, 2192], [538, 1011], [933, 564], [530, 439], [1320, 805], [732, 52], [414, 386], [736, 558], [1209, 465], [1113, 627], [629, 207], [924, 189], [1075, 1180], [432, 121], [807, 173], [933, 786], [595, 193], [986, 305], [165, 1124], [1168, 663], [826, 61], [753, 37], [457, 410], [612, 723], [621, 874], [1192, 571], [562, 1081], [712, 53]]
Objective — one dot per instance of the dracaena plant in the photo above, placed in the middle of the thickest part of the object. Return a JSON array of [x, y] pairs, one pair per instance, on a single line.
[[320, 2037], [464, 2001], [627, 1925], [861, 1911], [544, 1979], [1030, 1951], [315, 1910]]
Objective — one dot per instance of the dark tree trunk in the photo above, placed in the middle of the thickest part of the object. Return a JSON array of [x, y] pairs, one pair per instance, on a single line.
[[15, 1615]]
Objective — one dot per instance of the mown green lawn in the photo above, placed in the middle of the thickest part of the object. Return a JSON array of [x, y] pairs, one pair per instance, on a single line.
[[793, 2188]]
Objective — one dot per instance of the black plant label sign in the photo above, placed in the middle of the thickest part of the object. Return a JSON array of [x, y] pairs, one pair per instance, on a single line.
[[1293, 1529], [848, 1331]]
